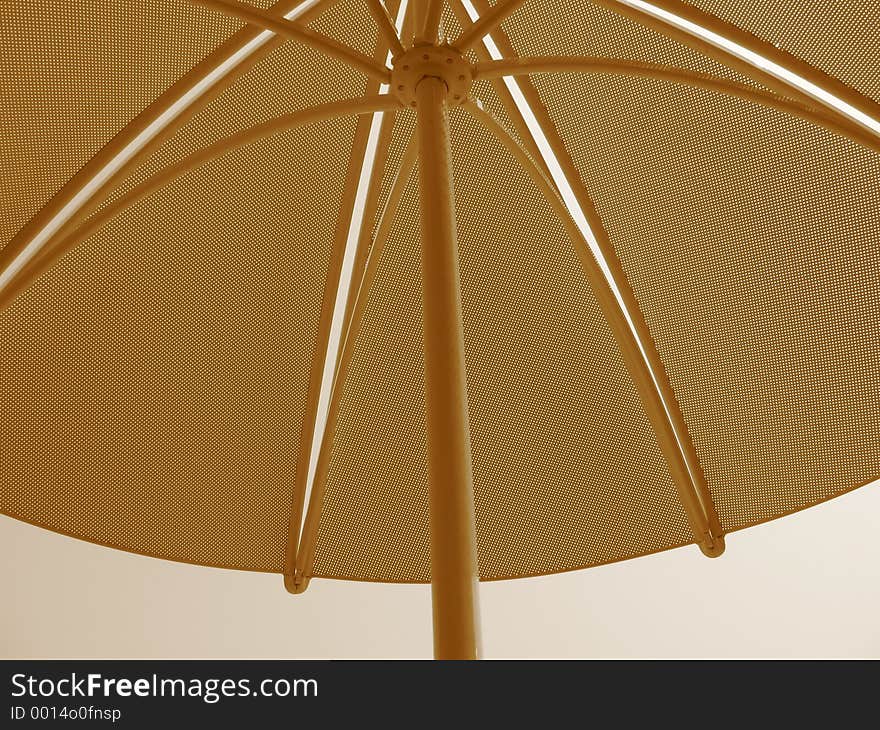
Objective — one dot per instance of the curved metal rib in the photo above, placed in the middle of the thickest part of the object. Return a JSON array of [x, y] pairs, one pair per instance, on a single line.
[[149, 129], [297, 32], [336, 284], [566, 178], [574, 64], [357, 211], [386, 26], [347, 107], [484, 25], [500, 88], [703, 523], [756, 59], [429, 13], [374, 256], [305, 554]]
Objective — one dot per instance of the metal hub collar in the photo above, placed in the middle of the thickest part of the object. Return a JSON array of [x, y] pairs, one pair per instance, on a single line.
[[442, 62]]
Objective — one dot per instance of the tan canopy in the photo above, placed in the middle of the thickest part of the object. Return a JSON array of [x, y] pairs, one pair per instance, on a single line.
[[185, 195]]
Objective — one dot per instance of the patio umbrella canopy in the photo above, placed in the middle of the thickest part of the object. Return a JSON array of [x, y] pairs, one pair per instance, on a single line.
[[345, 289]]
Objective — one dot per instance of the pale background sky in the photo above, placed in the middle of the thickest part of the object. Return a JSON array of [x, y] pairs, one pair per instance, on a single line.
[[807, 585]]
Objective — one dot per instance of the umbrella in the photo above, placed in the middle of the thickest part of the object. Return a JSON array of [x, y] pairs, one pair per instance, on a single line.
[[425, 292]]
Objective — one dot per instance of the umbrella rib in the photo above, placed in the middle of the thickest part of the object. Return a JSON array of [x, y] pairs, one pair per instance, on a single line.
[[141, 136], [407, 30], [428, 23], [317, 387], [403, 15], [386, 133], [386, 26], [668, 420], [305, 554], [527, 66], [501, 90], [700, 522], [298, 32], [759, 60], [362, 188], [348, 107], [486, 23], [373, 256]]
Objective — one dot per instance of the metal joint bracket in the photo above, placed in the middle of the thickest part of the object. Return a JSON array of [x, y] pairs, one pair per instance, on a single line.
[[296, 583], [441, 62], [712, 546]]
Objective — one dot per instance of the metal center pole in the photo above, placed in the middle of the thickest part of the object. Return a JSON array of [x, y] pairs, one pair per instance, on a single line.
[[454, 577]]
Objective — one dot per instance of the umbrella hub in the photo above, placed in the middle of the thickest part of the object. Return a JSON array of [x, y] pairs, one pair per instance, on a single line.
[[441, 62]]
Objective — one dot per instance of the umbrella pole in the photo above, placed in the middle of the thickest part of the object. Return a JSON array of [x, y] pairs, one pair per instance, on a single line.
[[454, 577]]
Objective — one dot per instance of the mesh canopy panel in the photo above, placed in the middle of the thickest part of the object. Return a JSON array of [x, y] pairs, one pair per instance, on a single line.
[[289, 78], [840, 38], [73, 74], [753, 252], [582, 28], [153, 382], [567, 470]]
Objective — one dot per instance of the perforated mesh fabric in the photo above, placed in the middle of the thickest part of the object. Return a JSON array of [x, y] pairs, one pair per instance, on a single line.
[[291, 77], [172, 428], [840, 38], [154, 381], [567, 472], [73, 74], [752, 249], [350, 22], [582, 28]]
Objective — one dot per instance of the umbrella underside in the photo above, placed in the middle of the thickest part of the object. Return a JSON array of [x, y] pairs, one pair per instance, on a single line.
[[157, 379]]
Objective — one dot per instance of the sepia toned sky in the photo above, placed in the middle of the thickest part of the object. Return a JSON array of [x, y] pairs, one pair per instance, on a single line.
[[804, 586]]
